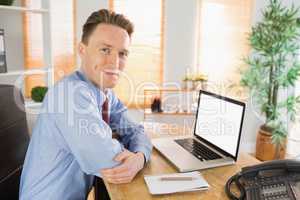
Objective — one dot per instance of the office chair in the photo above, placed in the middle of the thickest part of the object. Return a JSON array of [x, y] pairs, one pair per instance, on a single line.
[[14, 140], [100, 190]]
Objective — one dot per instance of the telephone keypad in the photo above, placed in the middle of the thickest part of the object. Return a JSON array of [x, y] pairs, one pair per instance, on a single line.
[[267, 188]]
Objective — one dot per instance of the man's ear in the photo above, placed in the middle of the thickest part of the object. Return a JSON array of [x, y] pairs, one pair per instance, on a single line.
[[81, 49]]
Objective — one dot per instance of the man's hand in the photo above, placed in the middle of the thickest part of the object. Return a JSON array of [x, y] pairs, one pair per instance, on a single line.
[[131, 164]]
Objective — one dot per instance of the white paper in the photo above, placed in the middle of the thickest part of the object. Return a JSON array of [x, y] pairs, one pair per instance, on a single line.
[[157, 186]]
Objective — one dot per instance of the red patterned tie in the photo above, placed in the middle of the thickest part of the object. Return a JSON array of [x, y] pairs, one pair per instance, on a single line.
[[100, 189], [105, 115]]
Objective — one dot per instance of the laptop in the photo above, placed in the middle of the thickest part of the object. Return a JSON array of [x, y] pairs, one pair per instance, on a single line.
[[216, 138]]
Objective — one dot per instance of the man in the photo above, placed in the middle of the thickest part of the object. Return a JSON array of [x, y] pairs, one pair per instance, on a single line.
[[73, 137]]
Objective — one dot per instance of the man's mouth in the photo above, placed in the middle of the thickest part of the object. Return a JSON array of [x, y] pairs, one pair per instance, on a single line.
[[111, 72]]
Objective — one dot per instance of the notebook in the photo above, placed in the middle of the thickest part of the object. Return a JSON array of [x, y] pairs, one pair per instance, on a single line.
[[156, 186]]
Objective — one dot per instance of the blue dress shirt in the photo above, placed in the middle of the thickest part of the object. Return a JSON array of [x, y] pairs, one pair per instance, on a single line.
[[71, 143]]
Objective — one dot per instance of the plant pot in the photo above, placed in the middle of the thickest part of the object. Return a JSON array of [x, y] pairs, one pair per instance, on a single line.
[[196, 85], [203, 85], [265, 149]]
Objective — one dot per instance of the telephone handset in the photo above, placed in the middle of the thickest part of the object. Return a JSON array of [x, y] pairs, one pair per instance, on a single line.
[[279, 179]]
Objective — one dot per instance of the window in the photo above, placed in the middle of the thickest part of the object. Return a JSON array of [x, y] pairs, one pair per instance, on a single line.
[[33, 45], [294, 136], [222, 38], [63, 36], [297, 93], [145, 62], [63, 41]]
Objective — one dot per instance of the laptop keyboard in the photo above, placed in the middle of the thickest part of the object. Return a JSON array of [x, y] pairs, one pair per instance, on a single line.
[[197, 149]]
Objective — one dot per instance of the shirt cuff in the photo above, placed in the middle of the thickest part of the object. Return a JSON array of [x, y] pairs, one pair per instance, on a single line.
[[145, 152]]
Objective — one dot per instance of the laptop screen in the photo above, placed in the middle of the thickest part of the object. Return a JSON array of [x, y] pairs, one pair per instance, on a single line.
[[219, 121]]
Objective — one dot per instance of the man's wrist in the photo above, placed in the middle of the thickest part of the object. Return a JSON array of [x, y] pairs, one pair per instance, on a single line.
[[142, 156]]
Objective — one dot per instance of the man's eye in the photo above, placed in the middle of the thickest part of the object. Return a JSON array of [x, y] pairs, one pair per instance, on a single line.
[[105, 50], [123, 54]]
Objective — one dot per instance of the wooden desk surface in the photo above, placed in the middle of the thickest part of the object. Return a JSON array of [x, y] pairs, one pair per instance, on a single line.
[[216, 178]]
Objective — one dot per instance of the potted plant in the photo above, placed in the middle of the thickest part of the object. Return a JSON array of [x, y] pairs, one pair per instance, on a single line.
[[187, 82], [199, 81], [38, 93], [273, 67]]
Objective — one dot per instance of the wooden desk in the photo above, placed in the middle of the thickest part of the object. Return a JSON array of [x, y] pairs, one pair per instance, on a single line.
[[216, 178]]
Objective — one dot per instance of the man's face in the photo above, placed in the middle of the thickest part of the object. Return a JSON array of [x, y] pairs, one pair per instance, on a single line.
[[105, 55]]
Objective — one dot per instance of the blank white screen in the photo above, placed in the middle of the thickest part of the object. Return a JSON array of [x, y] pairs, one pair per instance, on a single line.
[[218, 122]]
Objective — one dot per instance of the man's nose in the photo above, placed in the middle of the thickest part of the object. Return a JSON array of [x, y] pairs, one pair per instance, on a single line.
[[114, 59]]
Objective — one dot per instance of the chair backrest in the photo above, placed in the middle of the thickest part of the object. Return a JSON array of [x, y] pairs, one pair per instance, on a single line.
[[14, 140]]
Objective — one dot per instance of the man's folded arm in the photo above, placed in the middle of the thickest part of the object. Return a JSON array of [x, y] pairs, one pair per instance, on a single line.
[[134, 137], [132, 134], [87, 136]]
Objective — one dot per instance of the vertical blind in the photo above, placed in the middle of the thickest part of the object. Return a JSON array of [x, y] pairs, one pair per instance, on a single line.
[[63, 41], [294, 128], [33, 45], [145, 62], [223, 32], [63, 36]]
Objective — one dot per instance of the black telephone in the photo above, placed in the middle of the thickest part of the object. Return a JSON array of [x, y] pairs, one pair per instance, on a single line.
[[279, 179]]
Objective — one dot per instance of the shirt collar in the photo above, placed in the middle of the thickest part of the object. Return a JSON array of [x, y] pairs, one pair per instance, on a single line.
[[100, 94]]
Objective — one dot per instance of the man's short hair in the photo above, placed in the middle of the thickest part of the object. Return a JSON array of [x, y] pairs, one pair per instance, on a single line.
[[107, 17]]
